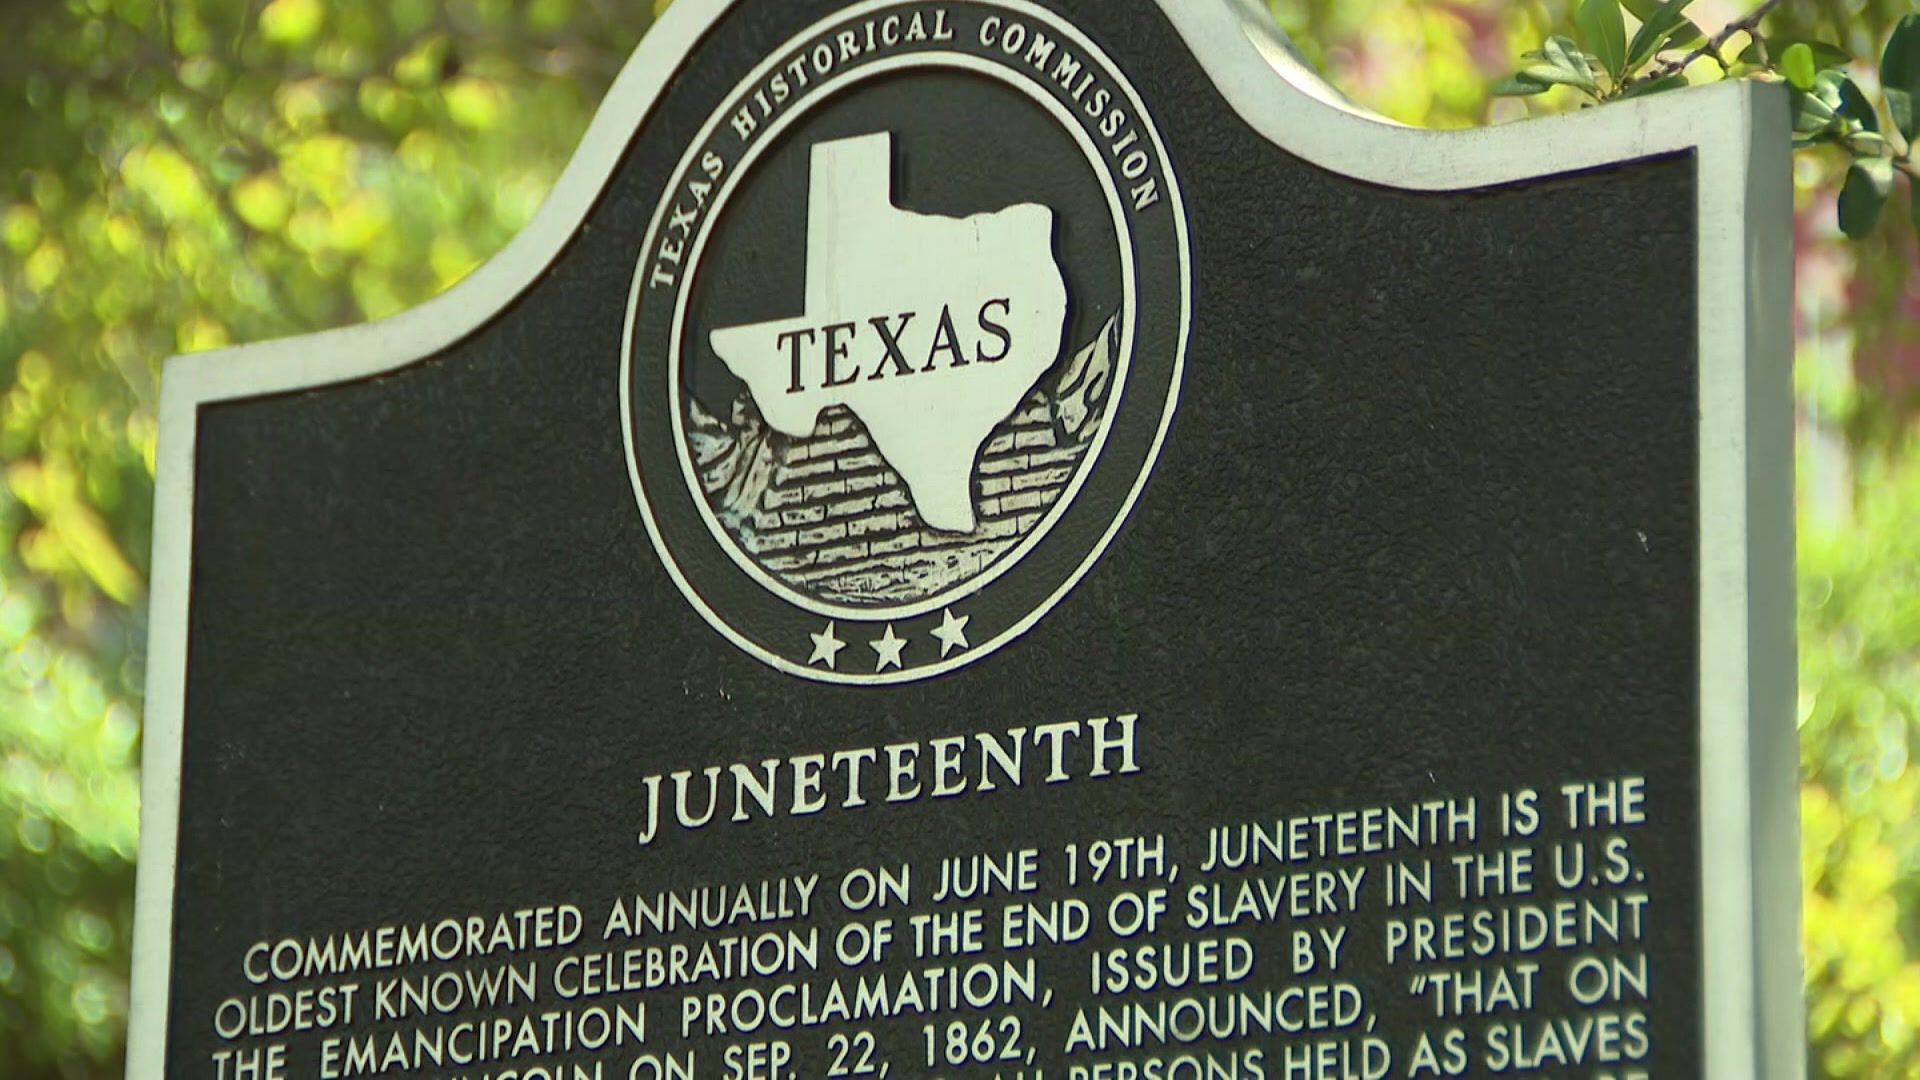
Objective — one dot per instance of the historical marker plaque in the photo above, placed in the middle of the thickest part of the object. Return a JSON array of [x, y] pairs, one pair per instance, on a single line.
[[1003, 539]]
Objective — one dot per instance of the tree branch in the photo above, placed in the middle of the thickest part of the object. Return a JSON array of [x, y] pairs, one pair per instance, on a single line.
[[1750, 23]]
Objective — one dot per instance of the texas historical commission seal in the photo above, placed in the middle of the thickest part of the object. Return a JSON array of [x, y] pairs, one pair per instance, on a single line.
[[905, 337]]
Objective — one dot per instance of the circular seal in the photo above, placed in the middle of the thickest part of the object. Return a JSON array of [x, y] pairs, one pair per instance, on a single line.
[[905, 337]]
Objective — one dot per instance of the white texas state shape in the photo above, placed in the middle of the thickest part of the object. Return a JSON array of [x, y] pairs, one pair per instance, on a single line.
[[931, 329]]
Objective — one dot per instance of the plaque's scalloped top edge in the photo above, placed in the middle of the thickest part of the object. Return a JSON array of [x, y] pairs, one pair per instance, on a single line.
[[1248, 58]]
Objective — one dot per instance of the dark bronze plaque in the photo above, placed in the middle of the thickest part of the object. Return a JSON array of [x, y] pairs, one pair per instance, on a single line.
[[1003, 539]]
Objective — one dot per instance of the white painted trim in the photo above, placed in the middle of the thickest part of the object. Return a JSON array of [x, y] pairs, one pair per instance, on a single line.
[[1772, 669], [161, 738], [1751, 993], [1746, 686]]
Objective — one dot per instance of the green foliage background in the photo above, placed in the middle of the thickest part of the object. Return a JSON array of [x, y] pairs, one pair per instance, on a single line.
[[178, 175]]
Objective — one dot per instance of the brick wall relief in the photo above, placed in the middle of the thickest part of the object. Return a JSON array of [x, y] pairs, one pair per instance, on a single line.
[[830, 518]]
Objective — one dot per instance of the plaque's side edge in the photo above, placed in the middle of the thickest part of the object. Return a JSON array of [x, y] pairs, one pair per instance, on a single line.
[[1750, 917], [1779, 943], [168, 601]]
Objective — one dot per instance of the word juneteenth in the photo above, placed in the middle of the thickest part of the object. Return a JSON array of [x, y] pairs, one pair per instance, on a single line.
[[905, 772]]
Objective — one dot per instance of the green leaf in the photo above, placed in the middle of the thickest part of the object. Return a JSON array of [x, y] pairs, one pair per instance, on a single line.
[[1829, 56], [1826, 87], [1653, 32], [1606, 32], [1824, 55], [1641, 9], [1900, 110], [1900, 74], [1550, 73], [1811, 115], [1913, 202], [1687, 35], [1565, 64], [1855, 106], [1817, 112], [1655, 86], [1559, 63], [1518, 86], [1796, 63], [1869, 144], [1869, 182]]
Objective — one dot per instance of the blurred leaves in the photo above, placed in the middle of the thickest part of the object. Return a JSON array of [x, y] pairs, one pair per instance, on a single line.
[[1859, 706], [1831, 111], [1616, 68]]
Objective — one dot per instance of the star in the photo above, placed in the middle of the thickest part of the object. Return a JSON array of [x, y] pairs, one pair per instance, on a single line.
[[889, 648], [826, 648], [953, 633]]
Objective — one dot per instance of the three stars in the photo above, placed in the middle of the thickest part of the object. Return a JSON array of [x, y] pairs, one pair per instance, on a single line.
[[889, 647]]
